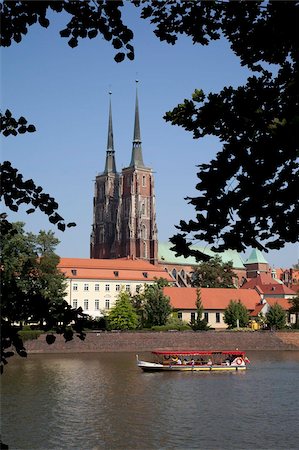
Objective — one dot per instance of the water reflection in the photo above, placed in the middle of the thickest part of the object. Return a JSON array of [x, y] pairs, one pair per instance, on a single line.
[[96, 401]]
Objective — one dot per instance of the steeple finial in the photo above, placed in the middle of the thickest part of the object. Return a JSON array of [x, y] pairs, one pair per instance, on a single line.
[[137, 159], [110, 159], [110, 145]]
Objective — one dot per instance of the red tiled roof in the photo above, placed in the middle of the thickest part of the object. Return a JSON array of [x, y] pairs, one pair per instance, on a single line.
[[267, 285], [257, 310], [263, 278], [277, 289], [212, 298], [283, 302], [122, 269]]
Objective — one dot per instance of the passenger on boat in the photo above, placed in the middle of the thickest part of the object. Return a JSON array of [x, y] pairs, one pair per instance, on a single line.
[[192, 362], [185, 361], [179, 361], [209, 363]]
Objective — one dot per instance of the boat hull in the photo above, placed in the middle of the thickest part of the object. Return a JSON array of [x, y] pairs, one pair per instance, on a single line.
[[153, 367]]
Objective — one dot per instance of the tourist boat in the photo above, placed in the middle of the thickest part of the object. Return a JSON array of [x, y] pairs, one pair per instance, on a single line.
[[195, 360]]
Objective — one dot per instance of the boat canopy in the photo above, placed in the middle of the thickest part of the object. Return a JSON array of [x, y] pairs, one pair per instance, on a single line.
[[197, 352]]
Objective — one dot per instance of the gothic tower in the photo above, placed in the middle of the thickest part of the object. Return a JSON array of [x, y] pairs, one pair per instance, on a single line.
[[124, 223], [105, 202]]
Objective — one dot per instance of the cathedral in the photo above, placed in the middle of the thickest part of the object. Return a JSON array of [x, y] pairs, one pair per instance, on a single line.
[[124, 211]]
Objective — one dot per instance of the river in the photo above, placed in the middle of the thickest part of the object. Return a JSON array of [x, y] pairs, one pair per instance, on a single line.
[[96, 401]]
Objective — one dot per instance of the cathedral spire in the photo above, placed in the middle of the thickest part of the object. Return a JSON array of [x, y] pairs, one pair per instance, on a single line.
[[136, 160], [110, 158]]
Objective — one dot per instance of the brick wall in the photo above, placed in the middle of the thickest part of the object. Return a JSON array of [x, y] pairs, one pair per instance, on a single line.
[[138, 341]]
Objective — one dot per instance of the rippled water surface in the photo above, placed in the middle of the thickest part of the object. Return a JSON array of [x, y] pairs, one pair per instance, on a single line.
[[103, 401]]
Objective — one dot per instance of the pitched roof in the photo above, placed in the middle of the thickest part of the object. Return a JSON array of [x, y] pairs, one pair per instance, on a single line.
[[255, 257], [167, 255], [121, 269], [212, 298], [283, 302], [257, 310], [259, 280], [268, 285]]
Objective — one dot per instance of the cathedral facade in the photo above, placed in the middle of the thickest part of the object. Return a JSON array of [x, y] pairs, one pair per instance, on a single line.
[[124, 210]]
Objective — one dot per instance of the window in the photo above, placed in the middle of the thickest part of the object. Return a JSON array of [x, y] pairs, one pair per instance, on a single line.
[[206, 317], [138, 287], [193, 317], [174, 273], [143, 208], [86, 287], [75, 286], [143, 180], [144, 274], [107, 287], [143, 232], [97, 287], [75, 303], [127, 287], [144, 250], [217, 317], [107, 303], [97, 304], [180, 315], [116, 273], [85, 304], [117, 287], [74, 272]]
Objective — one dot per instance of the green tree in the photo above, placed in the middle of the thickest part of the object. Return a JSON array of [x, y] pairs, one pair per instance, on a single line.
[[276, 317], [247, 194], [214, 274], [123, 315], [236, 314], [33, 290], [199, 323], [156, 305], [294, 309]]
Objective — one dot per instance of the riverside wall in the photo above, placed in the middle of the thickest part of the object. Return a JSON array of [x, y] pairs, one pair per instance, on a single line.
[[147, 341]]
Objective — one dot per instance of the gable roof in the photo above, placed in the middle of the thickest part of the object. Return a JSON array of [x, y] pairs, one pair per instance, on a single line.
[[212, 298], [260, 280], [168, 256], [283, 302], [268, 285], [111, 269]]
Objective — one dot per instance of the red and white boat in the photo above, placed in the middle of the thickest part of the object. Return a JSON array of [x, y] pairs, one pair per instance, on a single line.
[[195, 360]]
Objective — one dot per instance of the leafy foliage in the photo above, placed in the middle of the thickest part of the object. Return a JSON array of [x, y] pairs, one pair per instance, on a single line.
[[247, 193], [199, 323], [33, 291], [87, 19], [214, 274], [123, 315], [276, 317], [156, 305], [15, 190], [236, 314]]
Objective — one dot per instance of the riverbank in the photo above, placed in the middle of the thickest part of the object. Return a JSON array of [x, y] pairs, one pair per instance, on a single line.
[[146, 341]]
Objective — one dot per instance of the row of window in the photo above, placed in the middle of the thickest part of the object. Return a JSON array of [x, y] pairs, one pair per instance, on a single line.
[[75, 287], [206, 316], [86, 304]]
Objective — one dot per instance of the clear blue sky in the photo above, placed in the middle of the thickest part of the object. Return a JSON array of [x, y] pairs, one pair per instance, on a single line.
[[64, 92]]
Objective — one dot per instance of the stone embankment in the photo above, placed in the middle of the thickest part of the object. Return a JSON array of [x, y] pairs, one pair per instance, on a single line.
[[147, 341]]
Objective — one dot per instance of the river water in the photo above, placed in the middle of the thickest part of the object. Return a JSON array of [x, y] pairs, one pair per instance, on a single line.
[[104, 401]]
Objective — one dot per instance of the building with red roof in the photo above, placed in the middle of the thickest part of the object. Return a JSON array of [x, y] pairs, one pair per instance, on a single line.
[[216, 300], [94, 284]]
